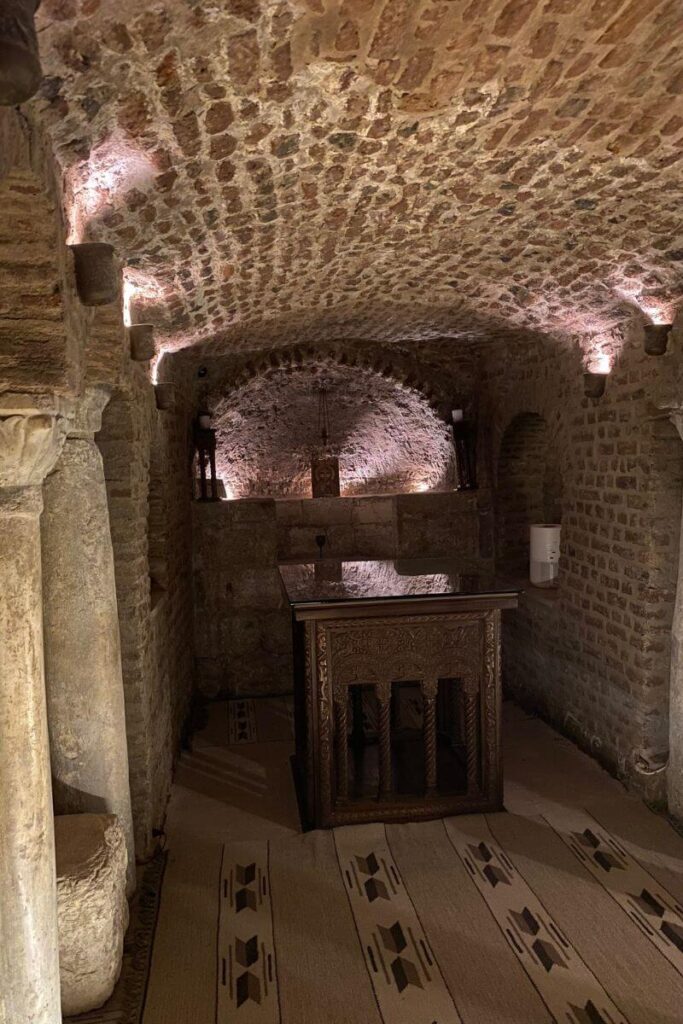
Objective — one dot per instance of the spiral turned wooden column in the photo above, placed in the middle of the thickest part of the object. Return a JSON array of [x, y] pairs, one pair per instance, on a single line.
[[429, 695], [384, 729], [342, 747], [472, 738]]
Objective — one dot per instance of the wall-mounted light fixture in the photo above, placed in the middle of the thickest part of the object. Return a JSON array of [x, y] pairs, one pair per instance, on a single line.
[[656, 338], [594, 384], [97, 281], [20, 71], [141, 342]]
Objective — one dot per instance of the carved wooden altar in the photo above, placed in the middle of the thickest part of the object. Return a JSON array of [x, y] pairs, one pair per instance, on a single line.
[[357, 655]]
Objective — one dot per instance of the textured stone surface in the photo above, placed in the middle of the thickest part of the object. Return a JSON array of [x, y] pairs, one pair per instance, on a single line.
[[29, 446], [147, 472], [42, 325], [595, 659], [29, 969], [386, 436], [84, 685], [391, 169], [92, 907]]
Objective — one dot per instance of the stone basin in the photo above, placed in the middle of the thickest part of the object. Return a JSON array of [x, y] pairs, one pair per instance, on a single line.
[[92, 907]]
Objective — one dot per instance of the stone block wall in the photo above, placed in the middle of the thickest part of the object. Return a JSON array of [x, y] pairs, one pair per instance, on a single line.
[[242, 632], [242, 622], [353, 527], [145, 454], [124, 444], [595, 657], [391, 526], [42, 324]]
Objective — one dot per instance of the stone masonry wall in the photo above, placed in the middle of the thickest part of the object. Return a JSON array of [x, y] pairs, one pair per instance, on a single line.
[[42, 324], [124, 443], [242, 623], [155, 623], [594, 657], [170, 559]]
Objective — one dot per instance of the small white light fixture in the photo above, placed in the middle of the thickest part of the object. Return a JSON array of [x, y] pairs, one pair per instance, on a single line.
[[544, 554]]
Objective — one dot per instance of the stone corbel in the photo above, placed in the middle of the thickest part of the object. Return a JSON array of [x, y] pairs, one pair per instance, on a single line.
[[84, 415]]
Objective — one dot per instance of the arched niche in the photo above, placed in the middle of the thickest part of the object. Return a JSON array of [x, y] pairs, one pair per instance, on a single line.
[[386, 434], [528, 489]]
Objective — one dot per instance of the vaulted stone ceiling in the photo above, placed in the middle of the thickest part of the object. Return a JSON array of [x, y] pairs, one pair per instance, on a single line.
[[386, 169]]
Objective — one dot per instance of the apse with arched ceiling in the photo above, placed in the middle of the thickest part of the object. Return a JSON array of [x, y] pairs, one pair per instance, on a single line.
[[387, 436]]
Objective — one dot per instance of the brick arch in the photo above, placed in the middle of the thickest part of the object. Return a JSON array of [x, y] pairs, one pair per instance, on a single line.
[[392, 366], [529, 488]]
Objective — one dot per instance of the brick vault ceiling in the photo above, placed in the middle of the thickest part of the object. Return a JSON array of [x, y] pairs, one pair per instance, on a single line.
[[390, 169]]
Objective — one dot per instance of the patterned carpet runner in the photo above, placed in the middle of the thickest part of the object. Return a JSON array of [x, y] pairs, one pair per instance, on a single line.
[[471, 920]]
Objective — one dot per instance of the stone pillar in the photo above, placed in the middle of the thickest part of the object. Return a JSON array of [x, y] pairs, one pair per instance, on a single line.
[[85, 702], [29, 951], [674, 776]]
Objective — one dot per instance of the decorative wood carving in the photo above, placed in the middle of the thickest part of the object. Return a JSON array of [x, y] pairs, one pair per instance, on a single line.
[[342, 749], [424, 647], [461, 648], [384, 719], [429, 692]]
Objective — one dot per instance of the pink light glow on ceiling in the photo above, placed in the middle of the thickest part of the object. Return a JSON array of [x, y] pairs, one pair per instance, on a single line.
[[600, 351], [139, 287], [601, 363], [155, 365], [654, 306], [101, 182]]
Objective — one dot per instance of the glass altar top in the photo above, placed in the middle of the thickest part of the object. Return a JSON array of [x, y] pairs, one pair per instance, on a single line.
[[328, 580]]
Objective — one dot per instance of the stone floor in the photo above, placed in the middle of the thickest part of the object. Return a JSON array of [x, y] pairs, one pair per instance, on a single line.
[[236, 784]]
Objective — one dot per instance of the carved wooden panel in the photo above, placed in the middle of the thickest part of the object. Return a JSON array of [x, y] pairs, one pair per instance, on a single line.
[[382, 651]]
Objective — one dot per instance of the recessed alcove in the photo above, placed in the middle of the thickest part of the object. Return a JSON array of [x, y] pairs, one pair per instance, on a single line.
[[528, 489], [387, 437]]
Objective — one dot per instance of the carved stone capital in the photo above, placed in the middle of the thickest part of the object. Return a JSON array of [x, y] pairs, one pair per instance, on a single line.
[[29, 448], [676, 417], [85, 412]]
